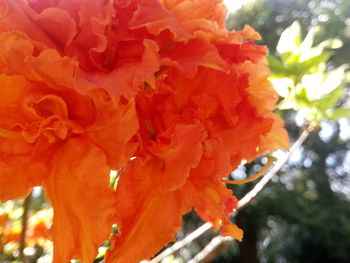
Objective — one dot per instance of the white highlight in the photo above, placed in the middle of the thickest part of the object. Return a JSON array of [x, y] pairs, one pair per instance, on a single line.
[[234, 5]]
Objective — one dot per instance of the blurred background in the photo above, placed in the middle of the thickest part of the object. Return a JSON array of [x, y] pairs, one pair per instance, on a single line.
[[303, 214]]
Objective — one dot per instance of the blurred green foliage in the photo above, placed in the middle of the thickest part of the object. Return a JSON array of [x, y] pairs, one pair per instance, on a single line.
[[302, 79]]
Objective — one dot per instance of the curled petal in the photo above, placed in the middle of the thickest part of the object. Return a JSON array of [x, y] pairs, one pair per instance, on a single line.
[[211, 10], [113, 128], [49, 67], [277, 138], [193, 54], [238, 53], [95, 42], [153, 16], [178, 161], [246, 33], [52, 20], [206, 19], [14, 17], [12, 88], [126, 79]]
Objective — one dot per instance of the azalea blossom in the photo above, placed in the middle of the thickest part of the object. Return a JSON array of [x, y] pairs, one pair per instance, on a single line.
[[158, 89]]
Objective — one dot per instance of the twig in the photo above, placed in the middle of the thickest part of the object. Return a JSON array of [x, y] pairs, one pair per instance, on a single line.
[[22, 241], [182, 243], [261, 184], [241, 203], [215, 246]]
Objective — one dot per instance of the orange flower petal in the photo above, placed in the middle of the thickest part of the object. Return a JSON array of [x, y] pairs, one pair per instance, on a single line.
[[17, 173], [149, 186], [49, 67], [144, 201], [238, 53], [78, 189], [52, 20], [95, 43], [17, 180], [14, 18], [246, 33], [113, 128], [277, 138], [205, 191], [148, 217], [200, 9], [189, 56], [128, 78], [156, 18], [206, 19], [178, 160]]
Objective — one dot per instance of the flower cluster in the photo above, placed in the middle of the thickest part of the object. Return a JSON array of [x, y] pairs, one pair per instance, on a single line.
[[37, 232], [158, 89]]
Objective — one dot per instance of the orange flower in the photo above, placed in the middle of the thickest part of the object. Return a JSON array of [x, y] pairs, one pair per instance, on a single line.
[[88, 84], [51, 135], [211, 109], [37, 232]]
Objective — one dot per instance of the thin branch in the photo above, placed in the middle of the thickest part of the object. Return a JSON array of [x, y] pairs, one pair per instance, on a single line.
[[182, 243], [241, 203], [262, 183], [215, 247], [22, 241]]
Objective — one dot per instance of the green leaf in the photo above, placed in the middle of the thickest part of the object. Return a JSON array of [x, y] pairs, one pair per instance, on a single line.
[[306, 45], [283, 86], [302, 100], [276, 67], [330, 100], [338, 113], [290, 60], [333, 79], [331, 43], [313, 62], [290, 39], [312, 83]]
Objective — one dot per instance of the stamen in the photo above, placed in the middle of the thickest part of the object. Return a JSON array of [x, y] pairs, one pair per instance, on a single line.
[[270, 161], [10, 134]]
